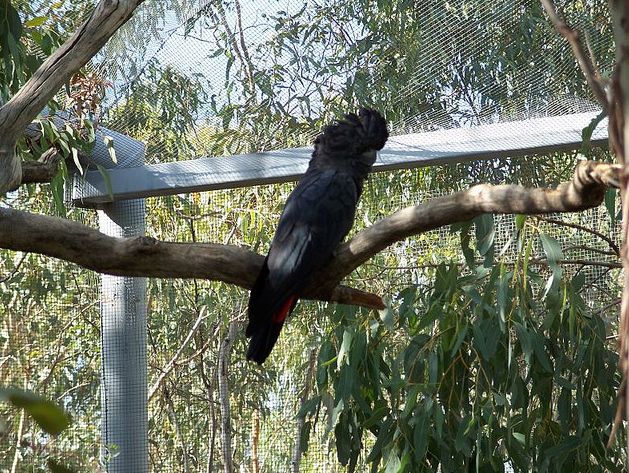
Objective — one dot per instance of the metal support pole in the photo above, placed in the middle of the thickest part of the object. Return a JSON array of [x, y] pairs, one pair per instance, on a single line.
[[124, 446], [124, 416]]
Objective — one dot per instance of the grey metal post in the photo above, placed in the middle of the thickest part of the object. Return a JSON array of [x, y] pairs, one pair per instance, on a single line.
[[124, 416], [123, 353]]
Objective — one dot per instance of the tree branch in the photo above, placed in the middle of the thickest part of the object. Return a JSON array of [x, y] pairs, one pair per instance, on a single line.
[[222, 373], [42, 170], [145, 256], [56, 70], [585, 190], [583, 228], [173, 361], [586, 63]]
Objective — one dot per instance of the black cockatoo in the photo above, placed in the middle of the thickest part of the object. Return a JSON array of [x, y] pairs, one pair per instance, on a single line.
[[317, 216]]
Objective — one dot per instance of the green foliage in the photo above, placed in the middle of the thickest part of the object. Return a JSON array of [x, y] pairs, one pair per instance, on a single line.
[[10, 50], [160, 109], [57, 467], [29, 32], [502, 364], [51, 418]]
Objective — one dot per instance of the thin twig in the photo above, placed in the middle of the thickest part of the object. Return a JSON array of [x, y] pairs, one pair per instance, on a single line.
[[172, 363], [199, 352], [607, 306], [586, 65], [576, 226], [590, 249], [15, 270], [582, 262]]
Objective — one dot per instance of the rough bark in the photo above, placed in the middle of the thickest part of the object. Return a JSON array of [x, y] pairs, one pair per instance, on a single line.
[[42, 170], [144, 256], [56, 70], [586, 62]]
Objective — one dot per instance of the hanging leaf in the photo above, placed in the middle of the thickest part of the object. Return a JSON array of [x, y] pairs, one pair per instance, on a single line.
[[586, 133], [552, 249], [109, 142], [421, 434], [342, 437], [10, 23], [485, 235], [304, 436], [385, 433], [77, 162], [343, 352], [610, 205], [50, 417], [107, 180]]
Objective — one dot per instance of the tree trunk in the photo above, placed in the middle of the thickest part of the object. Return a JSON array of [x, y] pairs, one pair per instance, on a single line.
[[255, 441], [223, 390]]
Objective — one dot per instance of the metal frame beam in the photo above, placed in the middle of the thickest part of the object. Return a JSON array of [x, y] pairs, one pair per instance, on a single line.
[[509, 139]]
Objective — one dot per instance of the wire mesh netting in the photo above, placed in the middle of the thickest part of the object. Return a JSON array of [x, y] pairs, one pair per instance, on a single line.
[[199, 78], [284, 64]]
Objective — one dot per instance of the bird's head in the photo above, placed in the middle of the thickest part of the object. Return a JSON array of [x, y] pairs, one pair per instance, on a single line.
[[352, 141]]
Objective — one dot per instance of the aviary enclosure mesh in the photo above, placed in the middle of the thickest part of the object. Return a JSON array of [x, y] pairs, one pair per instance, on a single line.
[[461, 79]]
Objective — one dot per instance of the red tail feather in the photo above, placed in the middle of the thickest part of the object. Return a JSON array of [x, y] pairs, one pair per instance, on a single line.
[[281, 314]]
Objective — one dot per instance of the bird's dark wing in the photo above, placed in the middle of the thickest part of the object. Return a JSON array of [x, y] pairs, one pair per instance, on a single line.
[[317, 215]]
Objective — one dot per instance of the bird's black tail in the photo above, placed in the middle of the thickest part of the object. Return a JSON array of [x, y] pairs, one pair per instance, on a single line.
[[267, 314], [265, 335]]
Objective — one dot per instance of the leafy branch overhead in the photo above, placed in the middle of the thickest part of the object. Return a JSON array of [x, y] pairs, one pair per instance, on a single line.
[[54, 72]]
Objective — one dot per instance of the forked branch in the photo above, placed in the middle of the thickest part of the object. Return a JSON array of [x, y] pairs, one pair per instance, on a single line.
[[144, 256], [586, 62]]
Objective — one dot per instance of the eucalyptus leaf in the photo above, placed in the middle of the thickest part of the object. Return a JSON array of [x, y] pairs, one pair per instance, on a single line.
[[51, 418]]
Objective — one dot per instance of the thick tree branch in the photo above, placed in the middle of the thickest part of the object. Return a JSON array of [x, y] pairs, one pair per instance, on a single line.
[[144, 256], [42, 170], [56, 70], [585, 190]]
